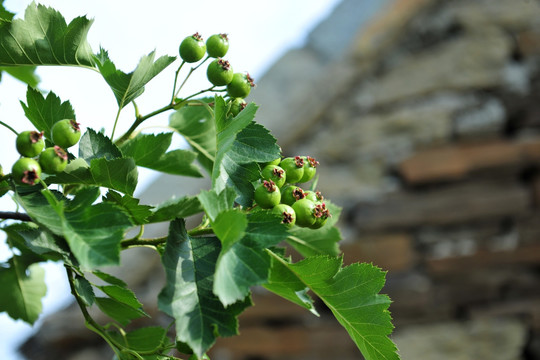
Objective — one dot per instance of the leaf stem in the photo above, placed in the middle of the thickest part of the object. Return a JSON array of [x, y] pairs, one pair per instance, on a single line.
[[9, 127]]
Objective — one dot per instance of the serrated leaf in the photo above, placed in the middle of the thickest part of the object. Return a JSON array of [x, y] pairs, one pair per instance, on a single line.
[[94, 145], [149, 151], [84, 290], [44, 112], [230, 226], [323, 241], [117, 174], [4, 187], [147, 339], [118, 311], [246, 263], [92, 245], [286, 284], [108, 278], [189, 265], [196, 125], [121, 294], [22, 290], [38, 241], [44, 38], [240, 144], [127, 87], [5, 15], [351, 293], [138, 213], [26, 74], [175, 208], [214, 203]]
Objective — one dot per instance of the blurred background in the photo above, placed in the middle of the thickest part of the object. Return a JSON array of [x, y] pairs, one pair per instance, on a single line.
[[424, 115]]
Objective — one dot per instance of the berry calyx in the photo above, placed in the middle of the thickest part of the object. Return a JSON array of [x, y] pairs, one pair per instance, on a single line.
[[267, 194], [30, 143], [305, 212], [291, 194], [26, 171], [240, 85], [288, 216], [321, 214], [294, 168], [217, 45], [66, 133], [219, 72], [53, 160], [192, 48], [274, 173], [310, 168]]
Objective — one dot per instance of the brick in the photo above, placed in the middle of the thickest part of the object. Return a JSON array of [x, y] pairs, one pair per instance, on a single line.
[[483, 200], [392, 252], [457, 161], [523, 256]]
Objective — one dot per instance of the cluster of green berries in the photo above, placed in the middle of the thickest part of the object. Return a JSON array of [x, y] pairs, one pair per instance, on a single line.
[[219, 72], [277, 191], [35, 158]]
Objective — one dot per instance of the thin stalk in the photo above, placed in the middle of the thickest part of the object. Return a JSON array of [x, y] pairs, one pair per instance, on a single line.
[[175, 80], [9, 127], [187, 77], [116, 122], [14, 216]]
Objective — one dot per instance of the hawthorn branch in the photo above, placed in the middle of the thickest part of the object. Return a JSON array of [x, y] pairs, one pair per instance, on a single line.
[[14, 216]]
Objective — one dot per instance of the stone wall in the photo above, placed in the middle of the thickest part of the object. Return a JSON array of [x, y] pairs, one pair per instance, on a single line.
[[426, 122]]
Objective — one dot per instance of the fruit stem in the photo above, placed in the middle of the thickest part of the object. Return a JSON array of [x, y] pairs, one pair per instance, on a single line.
[[9, 127], [187, 77], [176, 79], [116, 122]]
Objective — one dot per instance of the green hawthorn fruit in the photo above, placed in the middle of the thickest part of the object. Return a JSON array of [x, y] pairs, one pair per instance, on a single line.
[[287, 214], [30, 143], [26, 171], [274, 173], [53, 160], [66, 133], [305, 212], [192, 48], [219, 72], [217, 45], [267, 194]]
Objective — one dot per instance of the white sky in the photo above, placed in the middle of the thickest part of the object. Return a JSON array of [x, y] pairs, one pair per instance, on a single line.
[[259, 33]]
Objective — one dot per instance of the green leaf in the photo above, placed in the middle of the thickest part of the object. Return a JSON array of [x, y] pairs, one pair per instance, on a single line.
[[22, 290], [39, 209], [44, 112], [116, 174], [215, 203], [138, 213], [323, 241], [246, 263], [94, 145], [121, 294], [118, 311], [230, 226], [196, 125], [240, 145], [127, 87], [38, 241], [26, 74], [351, 293], [149, 151], [4, 187], [92, 245], [175, 208], [84, 290], [5, 15], [147, 339], [44, 38], [187, 296], [286, 284], [108, 278]]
